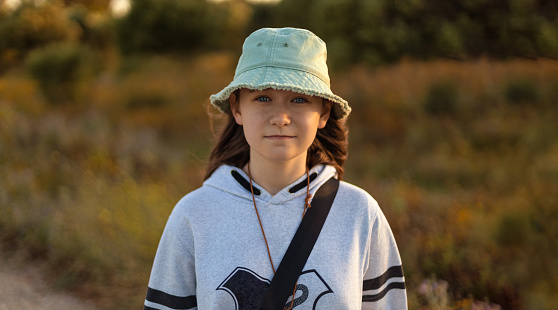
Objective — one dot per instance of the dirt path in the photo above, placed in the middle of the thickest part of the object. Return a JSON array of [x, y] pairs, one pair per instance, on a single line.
[[23, 287]]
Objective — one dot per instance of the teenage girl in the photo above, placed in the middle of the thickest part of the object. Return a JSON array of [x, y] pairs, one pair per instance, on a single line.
[[285, 137]]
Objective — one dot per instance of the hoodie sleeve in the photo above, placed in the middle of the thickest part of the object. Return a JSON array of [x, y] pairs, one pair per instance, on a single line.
[[384, 283], [172, 284]]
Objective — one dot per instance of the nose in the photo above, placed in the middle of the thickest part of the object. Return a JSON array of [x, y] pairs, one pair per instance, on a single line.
[[280, 115]]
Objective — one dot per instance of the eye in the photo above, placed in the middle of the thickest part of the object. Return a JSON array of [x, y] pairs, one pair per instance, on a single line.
[[300, 100], [263, 99]]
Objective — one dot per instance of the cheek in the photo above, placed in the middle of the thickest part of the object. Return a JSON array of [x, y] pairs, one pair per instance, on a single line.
[[311, 128], [312, 135], [251, 130], [313, 123]]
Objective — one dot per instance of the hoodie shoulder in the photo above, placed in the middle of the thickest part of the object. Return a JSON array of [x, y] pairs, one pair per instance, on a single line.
[[191, 201], [357, 199]]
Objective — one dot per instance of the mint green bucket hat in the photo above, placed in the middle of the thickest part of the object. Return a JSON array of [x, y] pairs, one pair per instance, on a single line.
[[283, 59]]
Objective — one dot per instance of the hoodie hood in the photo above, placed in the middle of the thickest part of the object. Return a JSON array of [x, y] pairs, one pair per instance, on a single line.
[[235, 181]]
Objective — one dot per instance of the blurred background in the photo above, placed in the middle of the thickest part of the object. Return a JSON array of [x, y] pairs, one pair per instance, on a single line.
[[104, 126]]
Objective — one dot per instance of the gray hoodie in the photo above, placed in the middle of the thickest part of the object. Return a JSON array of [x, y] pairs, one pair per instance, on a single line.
[[212, 254]]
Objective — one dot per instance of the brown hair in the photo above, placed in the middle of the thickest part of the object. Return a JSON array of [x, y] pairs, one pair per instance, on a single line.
[[329, 147]]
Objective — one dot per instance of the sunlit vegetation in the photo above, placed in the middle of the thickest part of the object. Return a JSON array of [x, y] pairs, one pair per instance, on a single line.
[[466, 174], [102, 131], [463, 158]]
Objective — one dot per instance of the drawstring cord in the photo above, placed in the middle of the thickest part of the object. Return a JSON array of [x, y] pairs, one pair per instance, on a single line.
[[306, 206]]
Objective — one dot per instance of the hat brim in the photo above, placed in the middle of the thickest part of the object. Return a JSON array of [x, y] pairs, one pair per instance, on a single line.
[[278, 78]]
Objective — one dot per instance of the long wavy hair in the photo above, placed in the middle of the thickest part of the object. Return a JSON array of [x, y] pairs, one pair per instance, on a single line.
[[330, 146]]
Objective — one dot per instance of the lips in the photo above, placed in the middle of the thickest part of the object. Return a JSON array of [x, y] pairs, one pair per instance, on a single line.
[[279, 137]]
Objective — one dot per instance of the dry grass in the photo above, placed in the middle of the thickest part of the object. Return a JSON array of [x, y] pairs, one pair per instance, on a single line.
[[462, 157]]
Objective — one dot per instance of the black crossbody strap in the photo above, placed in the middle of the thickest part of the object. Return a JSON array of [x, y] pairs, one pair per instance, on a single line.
[[282, 284]]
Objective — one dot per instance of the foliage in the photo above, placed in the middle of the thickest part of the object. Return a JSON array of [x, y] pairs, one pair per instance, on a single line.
[[37, 24], [522, 91], [469, 192], [460, 191], [166, 25], [386, 31], [94, 5], [357, 31], [441, 98], [60, 70], [31, 26], [96, 25]]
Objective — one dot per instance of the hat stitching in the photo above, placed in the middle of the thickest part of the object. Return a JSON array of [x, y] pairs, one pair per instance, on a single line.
[[283, 67], [271, 56]]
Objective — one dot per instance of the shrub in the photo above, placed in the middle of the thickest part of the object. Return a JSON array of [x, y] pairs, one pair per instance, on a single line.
[[164, 25], [60, 69], [547, 39], [147, 99], [512, 229], [441, 98], [31, 26], [521, 92], [95, 27], [449, 41]]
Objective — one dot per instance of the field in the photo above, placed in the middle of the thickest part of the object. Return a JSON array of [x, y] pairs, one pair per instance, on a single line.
[[461, 156]]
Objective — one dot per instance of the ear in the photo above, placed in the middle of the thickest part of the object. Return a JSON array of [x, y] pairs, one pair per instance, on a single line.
[[235, 108], [326, 111]]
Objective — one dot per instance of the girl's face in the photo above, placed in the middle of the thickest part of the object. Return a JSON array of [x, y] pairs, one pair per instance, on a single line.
[[279, 125]]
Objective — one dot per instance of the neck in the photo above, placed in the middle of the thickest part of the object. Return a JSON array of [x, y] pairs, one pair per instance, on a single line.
[[274, 176]]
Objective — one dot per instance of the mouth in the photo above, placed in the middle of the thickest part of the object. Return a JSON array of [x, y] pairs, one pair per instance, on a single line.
[[279, 137]]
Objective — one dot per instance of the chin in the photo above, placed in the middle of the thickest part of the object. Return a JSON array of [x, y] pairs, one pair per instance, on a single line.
[[283, 157]]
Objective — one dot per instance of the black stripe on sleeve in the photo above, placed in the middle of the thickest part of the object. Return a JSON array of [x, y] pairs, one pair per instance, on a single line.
[[171, 301], [380, 295], [376, 283]]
